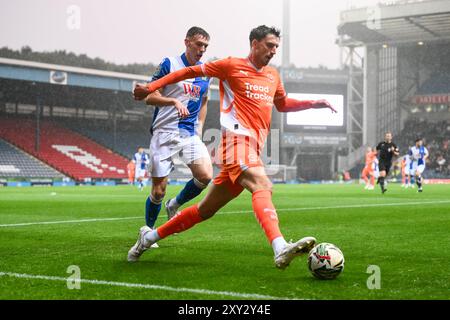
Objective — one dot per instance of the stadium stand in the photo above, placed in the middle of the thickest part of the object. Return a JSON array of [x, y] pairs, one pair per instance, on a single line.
[[129, 136], [66, 151], [436, 84], [16, 164]]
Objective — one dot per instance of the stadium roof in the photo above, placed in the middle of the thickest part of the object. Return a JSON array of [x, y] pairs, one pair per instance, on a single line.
[[59, 81], [71, 76], [66, 75], [400, 22]]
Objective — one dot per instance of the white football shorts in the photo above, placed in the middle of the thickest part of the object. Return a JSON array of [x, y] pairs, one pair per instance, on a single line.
[[164, 146], [414, 167], [139, 173]]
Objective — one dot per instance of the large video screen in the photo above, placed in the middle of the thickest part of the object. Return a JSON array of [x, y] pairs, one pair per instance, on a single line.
[[317, 117]]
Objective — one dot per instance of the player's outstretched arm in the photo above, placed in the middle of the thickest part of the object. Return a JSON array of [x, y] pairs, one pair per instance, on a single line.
[[157, 99], [141, 91], [291, 105]]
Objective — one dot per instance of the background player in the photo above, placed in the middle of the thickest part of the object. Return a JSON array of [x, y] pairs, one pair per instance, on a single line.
[[248, 89], [419, 154], [369, 169], [131, 168], [141, 161], [177, 124], [405, 168], [386, 150], [375, 165]]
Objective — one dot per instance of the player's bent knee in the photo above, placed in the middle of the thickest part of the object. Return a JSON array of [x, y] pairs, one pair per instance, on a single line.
[[202, 182], [204, 177], [158, 194], [259, 184], [205, 180], [262, 187], [264, 184]]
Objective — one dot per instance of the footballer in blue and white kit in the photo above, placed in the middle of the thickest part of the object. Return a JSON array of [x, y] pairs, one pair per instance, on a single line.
[[180, 111], [170, 133], [418, 155], [406, 159], [376, 168], [141, 161], [407, 167]]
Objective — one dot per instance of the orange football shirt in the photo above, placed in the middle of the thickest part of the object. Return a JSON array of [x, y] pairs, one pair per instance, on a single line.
[[247, 95]]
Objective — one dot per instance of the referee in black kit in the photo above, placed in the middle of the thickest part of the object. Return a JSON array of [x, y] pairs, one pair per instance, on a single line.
[[386, 150]]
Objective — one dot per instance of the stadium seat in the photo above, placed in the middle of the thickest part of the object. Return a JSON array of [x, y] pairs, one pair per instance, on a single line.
[[69, 152], [128, 137], [16, 164]]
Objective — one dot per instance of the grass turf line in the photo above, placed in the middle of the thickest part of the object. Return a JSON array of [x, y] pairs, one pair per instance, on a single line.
[[228, 252]]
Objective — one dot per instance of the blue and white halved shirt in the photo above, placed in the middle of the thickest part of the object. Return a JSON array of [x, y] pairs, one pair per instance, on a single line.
[[190, 92], [417, 154], [141, 160]]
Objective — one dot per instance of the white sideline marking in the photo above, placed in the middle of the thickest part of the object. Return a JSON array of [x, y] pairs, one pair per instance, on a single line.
[[66, 221], [347, 206], [233, 212], [146, 286]]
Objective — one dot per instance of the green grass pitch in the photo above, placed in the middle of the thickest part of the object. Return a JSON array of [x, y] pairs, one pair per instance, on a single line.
[[405, 233]]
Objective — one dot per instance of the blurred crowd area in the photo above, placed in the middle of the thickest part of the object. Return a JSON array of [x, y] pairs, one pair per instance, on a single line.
[[436, 137]]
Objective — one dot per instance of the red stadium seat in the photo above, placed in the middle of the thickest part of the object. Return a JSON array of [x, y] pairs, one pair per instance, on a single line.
[[65, 150]]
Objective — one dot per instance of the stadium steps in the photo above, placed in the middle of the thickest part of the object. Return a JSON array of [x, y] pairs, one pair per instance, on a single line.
[[68, 152], [15, 163]]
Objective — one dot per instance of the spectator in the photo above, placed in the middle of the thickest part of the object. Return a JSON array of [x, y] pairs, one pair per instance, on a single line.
[[440, 162]]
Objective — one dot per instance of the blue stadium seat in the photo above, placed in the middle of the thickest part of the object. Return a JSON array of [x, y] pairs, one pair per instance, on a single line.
[[15, 163]]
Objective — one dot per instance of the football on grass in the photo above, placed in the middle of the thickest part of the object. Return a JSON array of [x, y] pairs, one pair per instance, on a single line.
[[326, 261]]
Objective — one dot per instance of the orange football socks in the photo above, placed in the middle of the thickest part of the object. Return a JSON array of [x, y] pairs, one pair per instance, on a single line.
[[266, 214], [182, 221]]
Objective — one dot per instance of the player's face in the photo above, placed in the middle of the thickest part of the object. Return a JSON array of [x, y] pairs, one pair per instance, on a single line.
[[388, 137], [140, 150], [195, 47], [419, 143], [264, 50]]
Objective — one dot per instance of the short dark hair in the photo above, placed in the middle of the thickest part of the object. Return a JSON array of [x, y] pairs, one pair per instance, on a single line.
[[418, 139], [261, 32], [197, 30]]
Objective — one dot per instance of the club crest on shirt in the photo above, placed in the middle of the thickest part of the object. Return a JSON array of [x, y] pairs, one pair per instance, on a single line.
[[192, 90], [270, 77]]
